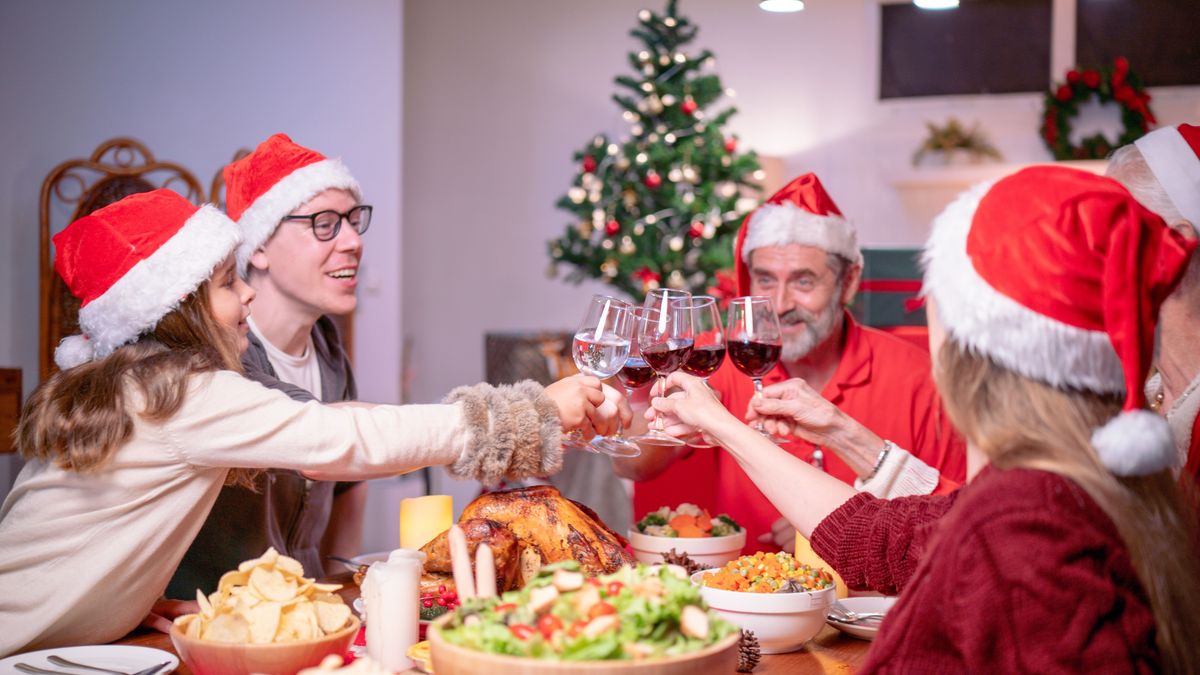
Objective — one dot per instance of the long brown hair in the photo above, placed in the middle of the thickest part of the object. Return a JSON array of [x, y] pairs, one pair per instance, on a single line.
[[79, 417], [1019, 422]]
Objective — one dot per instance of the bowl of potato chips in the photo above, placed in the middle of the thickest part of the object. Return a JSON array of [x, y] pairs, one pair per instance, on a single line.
[[265, 617]]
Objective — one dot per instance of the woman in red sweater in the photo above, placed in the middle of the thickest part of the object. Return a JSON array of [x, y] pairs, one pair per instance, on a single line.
[[1071, 548]]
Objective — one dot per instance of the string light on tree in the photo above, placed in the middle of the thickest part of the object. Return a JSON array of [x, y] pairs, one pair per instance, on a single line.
[[662, 202]]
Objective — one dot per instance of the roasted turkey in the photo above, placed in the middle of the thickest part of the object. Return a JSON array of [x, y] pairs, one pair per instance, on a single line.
[[546, 527]]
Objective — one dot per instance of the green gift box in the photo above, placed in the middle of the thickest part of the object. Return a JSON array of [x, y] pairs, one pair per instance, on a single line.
[[889, 293]]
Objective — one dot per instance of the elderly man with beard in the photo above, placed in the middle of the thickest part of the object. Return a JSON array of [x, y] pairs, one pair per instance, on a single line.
[[874, 420]]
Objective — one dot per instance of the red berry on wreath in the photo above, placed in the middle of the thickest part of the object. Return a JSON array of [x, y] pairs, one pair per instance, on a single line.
[[589, 164], [652, 180], [612, 227], [697, 230], [1121, 65], [1064, 93], [1073, 76], [1091, 78], [730, 145], [688, 106]]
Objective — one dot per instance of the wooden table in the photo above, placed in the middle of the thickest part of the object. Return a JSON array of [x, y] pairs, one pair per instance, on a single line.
[[830, 653]]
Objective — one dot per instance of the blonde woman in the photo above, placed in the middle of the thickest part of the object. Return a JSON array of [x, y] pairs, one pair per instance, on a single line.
[[1072, 548]]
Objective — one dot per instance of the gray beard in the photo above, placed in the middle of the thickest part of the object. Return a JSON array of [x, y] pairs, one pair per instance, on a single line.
[[817, 329]]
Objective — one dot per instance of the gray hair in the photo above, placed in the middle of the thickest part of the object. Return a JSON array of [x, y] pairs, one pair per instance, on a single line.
[[1129, 168]]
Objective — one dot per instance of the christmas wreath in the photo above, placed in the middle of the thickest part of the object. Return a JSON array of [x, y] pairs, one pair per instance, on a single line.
[[1111, 83]]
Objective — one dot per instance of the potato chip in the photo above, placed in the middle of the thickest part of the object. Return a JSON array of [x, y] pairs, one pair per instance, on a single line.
[[266, 600]]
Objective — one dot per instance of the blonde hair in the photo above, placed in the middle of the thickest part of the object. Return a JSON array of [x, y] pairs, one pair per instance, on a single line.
[[1021, 423], [79, 417]]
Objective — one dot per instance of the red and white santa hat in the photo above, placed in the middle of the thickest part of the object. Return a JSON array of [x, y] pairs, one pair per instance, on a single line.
[[1058, 275], [800, 213], [1173, 155], [269, 183], [131, 263]]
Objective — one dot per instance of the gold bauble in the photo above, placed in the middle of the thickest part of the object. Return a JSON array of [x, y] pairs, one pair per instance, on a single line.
[[577, 194], [675, 243], [675, 279], [585, 229], [627, 246], [607, 244], [609, 268]]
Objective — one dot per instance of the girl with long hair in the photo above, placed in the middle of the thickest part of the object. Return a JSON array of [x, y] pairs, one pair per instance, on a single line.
[[1073, 546], [128, 446]]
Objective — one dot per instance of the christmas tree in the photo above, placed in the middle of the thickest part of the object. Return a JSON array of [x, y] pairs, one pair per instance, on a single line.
[[662, 205]]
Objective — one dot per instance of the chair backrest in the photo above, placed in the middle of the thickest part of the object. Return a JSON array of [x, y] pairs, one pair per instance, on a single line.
[[117, 168]]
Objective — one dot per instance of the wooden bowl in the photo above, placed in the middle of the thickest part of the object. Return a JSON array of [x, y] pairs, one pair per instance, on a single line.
[[205, 657], [450, 659]]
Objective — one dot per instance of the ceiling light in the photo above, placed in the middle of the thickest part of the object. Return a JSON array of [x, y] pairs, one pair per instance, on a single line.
[[936, 4], [782, 5]]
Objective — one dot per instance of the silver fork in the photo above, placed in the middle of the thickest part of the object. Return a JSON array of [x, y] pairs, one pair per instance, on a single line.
[[60, 661], [842, 614], [34, 670]]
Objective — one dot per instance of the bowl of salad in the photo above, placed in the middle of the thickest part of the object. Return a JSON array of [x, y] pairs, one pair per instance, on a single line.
[[637, 619], [782, 600], [709, 540]]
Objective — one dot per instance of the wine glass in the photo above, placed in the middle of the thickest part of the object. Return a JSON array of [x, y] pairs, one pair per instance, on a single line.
[[754, 342], [708, 347], [665, 338], [601, 346], [634, 375]]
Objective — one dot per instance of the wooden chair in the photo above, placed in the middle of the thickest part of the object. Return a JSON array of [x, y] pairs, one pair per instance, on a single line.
[[117, 168], [10, 406]]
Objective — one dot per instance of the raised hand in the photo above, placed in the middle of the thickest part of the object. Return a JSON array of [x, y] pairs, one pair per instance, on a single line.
[[578, 398]]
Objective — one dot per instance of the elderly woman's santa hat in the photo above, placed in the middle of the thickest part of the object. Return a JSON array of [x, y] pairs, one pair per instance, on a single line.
[[800, 213], [1058, 275], [131, 263], [274, 180], [1173, 155]]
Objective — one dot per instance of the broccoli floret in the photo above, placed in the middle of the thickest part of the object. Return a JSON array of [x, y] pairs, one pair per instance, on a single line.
[[651, 519], [730, 522]]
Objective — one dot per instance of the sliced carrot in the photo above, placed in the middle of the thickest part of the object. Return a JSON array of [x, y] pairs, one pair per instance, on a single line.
[[682, 521], [704, 522], [690, 531]]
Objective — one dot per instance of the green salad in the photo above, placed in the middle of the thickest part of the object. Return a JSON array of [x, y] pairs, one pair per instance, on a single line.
[[634, 613]]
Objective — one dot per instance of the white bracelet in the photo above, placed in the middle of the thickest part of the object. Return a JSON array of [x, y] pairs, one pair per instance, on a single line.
[[887, 447]]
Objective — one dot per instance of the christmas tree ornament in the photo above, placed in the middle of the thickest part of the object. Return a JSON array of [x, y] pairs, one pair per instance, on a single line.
[[696, 230], [688, 106], [664, 60], [668, 99], [710, 62], [648, 70], [669, 139], [589, 164], [675, 279], [726, 189], [644, 16], [594, 197], [607, 244], [655, 104], [598, 141], [662, 128], [652, 180], [652, 138], [680, 57], [670, 22], [639, 229], [699, 114], [585, 229], [630, 116], [636, 130], [609, 268], [652, 219], [612, 227], [690, 174], [726, 161], [621, 163], [627, 246], [759, 174], [647, 87], [710, 231], [731, 144], [629, 197], [699, 128], [730, 92], [675, 243], [674, 175], [643, 56], [688, 197], [612, 149], [577, 195], [641, 158], [556, 251]]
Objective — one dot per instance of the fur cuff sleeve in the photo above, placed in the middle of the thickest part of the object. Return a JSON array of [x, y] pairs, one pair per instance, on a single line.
[[515, 432]]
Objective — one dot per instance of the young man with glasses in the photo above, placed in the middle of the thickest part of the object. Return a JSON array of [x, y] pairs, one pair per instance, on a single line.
[[302, 219]]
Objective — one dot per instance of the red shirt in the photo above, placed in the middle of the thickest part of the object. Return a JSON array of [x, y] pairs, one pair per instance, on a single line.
[[882, 381], [1018, 572]]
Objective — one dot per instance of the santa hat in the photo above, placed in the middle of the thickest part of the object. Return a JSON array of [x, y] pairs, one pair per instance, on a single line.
[[1173, 155], [1058, 274], [271, 182], [800, 213], [131, 263]]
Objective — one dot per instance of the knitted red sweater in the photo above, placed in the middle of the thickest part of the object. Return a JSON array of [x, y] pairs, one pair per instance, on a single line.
[[1019, 571]]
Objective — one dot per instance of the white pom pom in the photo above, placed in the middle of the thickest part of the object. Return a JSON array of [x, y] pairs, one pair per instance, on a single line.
[[1136, 443], [74, 350]]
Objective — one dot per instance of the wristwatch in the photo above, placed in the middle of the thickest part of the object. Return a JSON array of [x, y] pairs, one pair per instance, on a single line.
[[887, 447]]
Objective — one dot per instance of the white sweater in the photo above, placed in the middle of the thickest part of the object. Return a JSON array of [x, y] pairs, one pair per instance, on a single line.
[[83, 557]]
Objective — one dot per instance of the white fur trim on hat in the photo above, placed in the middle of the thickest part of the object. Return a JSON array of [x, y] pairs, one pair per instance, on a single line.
[[259, 220], [1135, 443], [990, 323], [1177, 168], [73, 350], [783, 224], [155, 285]]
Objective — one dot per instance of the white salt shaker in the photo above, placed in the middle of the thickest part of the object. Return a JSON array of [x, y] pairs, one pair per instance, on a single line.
[[391, 593]]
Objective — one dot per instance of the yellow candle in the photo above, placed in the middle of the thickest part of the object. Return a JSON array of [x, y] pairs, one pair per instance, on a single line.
[[423, 518], [806, 555]]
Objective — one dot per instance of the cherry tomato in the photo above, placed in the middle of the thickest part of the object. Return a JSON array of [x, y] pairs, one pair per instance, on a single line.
[[600, 609], [576, 628], [522, 631], [505, 607], [614, 587], [548, 624]]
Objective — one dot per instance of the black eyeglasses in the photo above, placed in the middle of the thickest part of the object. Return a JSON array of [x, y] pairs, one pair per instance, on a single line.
[[326, 224]]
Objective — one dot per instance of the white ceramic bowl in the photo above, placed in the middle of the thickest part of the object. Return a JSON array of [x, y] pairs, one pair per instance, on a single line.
[[864, 605], [707, 551], [782, 622]]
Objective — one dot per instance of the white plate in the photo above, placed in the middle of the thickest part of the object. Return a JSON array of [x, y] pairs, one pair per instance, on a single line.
[[366, 559], [114, 657], [864, 605]]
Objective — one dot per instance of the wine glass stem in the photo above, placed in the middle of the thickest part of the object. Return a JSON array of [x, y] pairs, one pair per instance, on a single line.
[[659, 425], [758, 425], [620, 424]]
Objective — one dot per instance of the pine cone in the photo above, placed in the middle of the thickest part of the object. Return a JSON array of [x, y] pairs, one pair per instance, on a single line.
[[748, 652], [682, 559]]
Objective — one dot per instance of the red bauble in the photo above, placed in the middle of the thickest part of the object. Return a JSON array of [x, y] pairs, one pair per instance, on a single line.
[[612, 227], [652, 180], [589, 164], [688, 106], [1064, 93], [697, 230], [730, 145], [1091, 78]]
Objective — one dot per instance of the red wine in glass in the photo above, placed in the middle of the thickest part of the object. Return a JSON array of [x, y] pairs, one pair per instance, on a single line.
[[753, 358], [667, 357], [636, 373], [704, 361]]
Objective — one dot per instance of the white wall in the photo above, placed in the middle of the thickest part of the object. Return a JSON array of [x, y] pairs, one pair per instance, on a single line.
[[196, 81]]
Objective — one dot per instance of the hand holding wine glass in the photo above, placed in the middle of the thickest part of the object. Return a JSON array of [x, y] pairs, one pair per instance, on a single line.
[[601, 347], [754, 341], [665, 338]]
